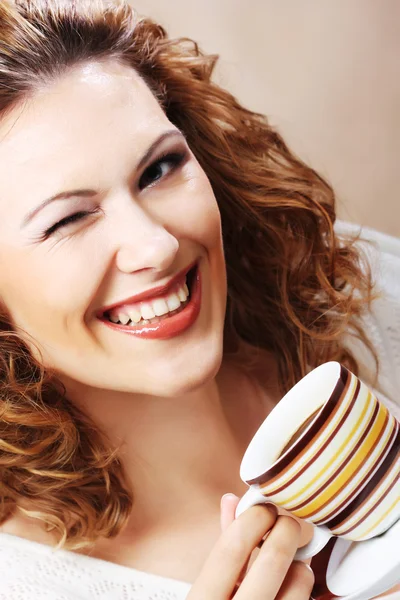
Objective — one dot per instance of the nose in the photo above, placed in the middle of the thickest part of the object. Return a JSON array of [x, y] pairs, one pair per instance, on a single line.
[[144, 243]]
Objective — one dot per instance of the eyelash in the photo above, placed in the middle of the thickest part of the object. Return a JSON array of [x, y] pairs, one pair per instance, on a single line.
[[174, 158]]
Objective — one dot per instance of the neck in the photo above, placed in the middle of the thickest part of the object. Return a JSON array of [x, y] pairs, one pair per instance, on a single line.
[[184, 450]]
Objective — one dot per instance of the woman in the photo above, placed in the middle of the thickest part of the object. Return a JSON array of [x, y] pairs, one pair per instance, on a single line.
[[169, 268]]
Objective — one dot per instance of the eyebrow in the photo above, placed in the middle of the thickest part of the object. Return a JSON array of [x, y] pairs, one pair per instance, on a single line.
[[89, 193]]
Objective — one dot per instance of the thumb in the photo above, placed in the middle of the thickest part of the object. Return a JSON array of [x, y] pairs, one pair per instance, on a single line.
[[229, 503]]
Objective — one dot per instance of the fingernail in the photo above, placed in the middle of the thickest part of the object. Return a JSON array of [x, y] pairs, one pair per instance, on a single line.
[[306, 565], [229, 494]]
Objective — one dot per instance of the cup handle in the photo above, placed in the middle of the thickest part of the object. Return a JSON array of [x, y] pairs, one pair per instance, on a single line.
[[321, 535], [252, 497]]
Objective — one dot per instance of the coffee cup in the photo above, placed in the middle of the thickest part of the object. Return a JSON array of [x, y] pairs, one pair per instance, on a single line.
[[329, 453]]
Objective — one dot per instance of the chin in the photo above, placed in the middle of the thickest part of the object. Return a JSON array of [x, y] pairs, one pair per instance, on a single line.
[[167, 374], [174, 380], [193, 380]]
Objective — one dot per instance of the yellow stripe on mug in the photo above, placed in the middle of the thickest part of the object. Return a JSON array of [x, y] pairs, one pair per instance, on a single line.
[[337, 457], [374, 459]]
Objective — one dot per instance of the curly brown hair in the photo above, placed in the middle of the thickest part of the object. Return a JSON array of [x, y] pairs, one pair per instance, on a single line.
[[294, 288]]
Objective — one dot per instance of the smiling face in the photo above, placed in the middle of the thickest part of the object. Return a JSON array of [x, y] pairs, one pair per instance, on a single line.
[[138, 221]]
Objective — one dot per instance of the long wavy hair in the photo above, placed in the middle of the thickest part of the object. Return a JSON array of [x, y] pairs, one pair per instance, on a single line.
[[294, 288]]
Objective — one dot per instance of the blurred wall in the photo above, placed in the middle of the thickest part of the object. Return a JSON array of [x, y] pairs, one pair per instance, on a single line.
[[326, 73]]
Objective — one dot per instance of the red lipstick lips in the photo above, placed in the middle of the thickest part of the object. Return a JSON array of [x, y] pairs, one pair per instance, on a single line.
[[170, 326]]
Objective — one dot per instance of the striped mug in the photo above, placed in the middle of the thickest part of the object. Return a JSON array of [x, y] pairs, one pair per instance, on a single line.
[[329, 453]]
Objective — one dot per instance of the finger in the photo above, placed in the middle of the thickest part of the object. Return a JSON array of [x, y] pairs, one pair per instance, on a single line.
[[230, 554], [298, 583], [269, 569], [229, 503], [254, 554]]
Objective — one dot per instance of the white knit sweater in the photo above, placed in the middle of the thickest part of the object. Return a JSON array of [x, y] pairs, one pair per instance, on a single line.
[[33, 571]]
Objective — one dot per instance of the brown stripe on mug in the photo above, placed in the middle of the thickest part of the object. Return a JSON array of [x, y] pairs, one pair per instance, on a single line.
[[341, 466], [336, 510], [324, 445], [361, 484], [368, 490], [371, 510], [324, 417]]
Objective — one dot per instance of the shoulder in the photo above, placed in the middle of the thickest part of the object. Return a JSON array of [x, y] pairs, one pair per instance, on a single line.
[[18, 589], [22, 576], [382, 322], [381, 250], [34, 571]]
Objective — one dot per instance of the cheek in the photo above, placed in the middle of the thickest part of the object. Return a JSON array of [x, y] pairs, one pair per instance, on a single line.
[[198, 215], [40, 293], [201, 222]]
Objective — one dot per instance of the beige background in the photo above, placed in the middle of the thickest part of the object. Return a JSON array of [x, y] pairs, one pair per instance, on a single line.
[[326, 72]]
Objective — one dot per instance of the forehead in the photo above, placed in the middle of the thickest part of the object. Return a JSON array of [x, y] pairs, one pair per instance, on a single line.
[[74, 131], [106, 91], [92, 106]]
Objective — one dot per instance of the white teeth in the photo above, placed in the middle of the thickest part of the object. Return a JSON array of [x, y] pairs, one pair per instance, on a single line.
[[181, 294], [147, 311], [135, 315], [173, 301], [160, 307], [124, 318]]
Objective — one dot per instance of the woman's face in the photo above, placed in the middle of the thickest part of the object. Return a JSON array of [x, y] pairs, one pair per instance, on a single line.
[[138, 220]]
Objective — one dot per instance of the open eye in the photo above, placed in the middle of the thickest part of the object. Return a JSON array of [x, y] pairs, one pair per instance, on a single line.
[[161, 168]]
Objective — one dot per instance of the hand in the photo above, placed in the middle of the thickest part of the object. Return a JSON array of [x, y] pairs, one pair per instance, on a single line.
[[229, 571]]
